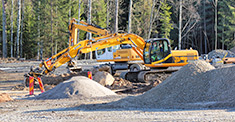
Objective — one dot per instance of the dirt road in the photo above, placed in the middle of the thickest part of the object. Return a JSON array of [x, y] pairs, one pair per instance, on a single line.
[[71, 109]]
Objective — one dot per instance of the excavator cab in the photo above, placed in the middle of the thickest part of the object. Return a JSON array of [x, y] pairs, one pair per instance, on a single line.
[[156, 50]]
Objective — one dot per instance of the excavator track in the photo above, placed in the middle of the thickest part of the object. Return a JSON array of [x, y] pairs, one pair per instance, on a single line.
[[147, 75]]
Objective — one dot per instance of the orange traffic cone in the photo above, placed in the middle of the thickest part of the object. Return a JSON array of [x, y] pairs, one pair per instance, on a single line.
[[89, 73], [31, 85]]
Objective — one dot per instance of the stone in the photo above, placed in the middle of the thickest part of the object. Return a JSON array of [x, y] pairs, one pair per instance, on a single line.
[[104, 78]]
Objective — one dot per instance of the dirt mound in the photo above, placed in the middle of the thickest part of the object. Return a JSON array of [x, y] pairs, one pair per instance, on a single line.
[[220, 54], [78, 86], [196, 85], [5, 97]]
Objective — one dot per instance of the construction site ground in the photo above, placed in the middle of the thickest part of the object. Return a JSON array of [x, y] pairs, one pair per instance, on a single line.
[[26, 108]]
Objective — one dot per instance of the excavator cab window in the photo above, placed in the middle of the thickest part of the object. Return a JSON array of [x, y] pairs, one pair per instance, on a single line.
[[156, 50], [110, 49], [101, 51], [146, 53]]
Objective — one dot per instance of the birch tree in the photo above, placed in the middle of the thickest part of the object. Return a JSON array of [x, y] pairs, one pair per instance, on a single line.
[[21, 34], [129, 17], [180, 24], [89, 21], [4, 34], [79, 12], [215, 4], [116, 16], [18, 29]]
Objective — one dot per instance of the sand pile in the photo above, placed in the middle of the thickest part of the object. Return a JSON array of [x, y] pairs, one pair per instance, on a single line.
[[78, 86], [197, 84], [5, 97]]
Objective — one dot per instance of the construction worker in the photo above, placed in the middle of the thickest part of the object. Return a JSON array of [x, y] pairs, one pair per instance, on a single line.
[[157, 51]]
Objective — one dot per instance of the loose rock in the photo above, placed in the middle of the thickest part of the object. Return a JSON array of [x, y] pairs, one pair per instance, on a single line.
[[104, 78], [4, 97]]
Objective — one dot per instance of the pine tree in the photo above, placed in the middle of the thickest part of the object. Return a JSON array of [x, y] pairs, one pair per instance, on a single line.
[[99, 15], [30, 31], [141, 17], [165, 19]]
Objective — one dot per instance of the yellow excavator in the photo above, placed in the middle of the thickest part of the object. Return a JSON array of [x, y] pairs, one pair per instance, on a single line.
[[155, 52]]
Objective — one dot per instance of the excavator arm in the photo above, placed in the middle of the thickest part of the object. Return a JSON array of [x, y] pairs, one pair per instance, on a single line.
[[98, 43], [77, 24]]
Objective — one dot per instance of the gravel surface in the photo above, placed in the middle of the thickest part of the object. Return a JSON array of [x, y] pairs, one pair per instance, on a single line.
[[69, 110], [104, 109]]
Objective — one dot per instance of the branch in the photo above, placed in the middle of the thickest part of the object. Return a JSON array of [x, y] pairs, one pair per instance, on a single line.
[[188, 30], [187, 23]]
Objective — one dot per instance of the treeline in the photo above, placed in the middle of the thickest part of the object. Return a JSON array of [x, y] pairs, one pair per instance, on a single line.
[[39, 28]]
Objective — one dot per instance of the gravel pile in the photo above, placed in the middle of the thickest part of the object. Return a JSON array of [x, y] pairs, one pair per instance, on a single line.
[[233, 49], [195, 85], [78, 86], [220, 53]]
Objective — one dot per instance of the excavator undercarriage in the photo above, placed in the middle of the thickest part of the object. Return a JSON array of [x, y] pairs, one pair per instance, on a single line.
[[146, 75]]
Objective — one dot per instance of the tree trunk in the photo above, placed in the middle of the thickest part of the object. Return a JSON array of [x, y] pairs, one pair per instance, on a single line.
[[39, 57], [56, 30], [12, 14], [18, 29], [107, 17], [69, 10], [21, 34], [216, 24], [180, 22], [89, 21], [151, 19], [116, 17], [52, 43], [79, 12], [4, 34], [204, 19], [129, 17], [223, 33]]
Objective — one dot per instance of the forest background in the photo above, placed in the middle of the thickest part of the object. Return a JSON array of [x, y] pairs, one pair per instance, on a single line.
[[35, 29]]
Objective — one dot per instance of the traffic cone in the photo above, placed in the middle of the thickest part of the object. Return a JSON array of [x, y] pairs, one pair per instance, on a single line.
[[31, 85], [89, 73], [41, 84]]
